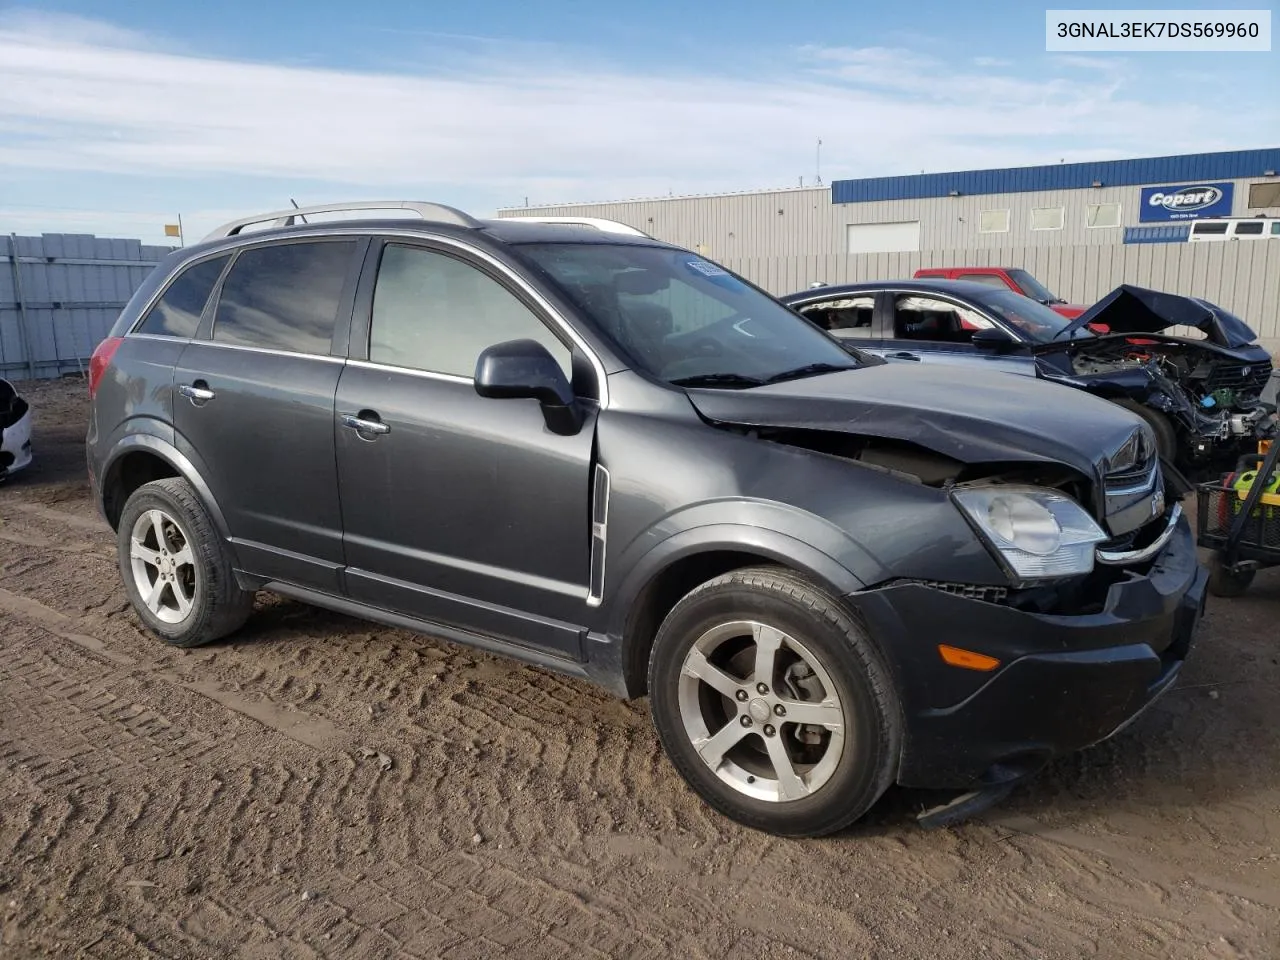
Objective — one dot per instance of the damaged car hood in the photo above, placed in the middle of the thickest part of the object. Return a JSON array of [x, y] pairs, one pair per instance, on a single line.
[[970, 416], [1130, 309]]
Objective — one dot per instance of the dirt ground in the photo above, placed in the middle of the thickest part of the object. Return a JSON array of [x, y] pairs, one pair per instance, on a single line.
[[319, 786]]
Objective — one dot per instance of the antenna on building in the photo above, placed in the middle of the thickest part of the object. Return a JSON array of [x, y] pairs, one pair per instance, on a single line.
[[818, 164]]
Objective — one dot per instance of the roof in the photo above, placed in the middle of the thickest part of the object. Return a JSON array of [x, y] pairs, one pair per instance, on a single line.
[[1186, 168]]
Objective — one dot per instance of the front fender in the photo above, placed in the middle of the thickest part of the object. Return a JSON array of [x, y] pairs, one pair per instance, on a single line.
[[816, 548]]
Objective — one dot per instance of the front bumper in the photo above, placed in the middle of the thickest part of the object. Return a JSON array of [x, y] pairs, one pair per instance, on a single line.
[[1065, 682], [15, 446]]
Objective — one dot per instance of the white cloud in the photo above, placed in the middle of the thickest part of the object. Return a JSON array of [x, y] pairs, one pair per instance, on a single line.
[[82, 98]]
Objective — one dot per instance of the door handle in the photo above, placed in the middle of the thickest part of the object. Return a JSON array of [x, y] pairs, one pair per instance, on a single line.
[[197, 392], [364, 424], [903, 355]]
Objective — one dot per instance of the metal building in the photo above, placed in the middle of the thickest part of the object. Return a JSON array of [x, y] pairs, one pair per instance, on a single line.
[[1081, 228], [1106, 203]]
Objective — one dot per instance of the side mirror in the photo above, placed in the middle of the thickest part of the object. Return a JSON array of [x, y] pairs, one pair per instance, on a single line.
[[992, 338], [525, 369]]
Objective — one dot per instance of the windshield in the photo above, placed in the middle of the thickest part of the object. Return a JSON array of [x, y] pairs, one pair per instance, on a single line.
[[1032, 320], [1033, 288], [684, 319]]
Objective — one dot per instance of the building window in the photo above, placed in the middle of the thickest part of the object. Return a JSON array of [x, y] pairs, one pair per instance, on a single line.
[[1264, 194], [883, 237], [1047, 218], [1104, 215], [994, 221]]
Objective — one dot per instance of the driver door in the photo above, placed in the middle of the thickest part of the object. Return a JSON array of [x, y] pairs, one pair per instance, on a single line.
[[458, 509]]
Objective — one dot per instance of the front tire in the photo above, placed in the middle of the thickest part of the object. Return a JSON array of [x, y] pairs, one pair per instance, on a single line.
[[773, 703], [175, 567], [1161, 426]]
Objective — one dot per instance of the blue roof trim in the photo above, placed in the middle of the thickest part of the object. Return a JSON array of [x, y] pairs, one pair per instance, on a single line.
[[1062, 176], [1164, 233]]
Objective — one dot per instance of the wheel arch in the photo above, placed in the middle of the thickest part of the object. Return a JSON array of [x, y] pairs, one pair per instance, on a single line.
[[682, 562], [141, 458]]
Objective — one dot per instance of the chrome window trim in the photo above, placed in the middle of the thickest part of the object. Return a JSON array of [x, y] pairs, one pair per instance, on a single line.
[[954, 301], [504, 271], [1120, 557], [239, 242], [410, 371], [271, 351], [158, 336]]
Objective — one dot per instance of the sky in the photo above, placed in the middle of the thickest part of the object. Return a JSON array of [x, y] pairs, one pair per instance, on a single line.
[[118, 117]]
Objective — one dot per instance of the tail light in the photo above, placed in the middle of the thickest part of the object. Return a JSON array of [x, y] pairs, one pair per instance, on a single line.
[[100, 360]]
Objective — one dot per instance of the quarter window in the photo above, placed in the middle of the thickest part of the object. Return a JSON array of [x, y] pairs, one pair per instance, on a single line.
[[284, 296], [990, 279], [435, 313], [177, 313]]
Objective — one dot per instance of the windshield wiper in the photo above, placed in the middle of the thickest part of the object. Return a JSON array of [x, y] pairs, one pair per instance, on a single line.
[[718, 380], [808, 370]]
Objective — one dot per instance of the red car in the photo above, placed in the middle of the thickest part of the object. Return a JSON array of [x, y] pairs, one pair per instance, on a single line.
[[1015, 278]]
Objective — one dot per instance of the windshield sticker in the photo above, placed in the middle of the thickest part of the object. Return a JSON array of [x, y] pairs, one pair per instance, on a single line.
[[707, 268]]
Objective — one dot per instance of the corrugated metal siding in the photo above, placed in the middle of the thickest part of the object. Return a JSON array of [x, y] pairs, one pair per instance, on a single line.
[[72, 287], [1061, 176], [1162, 233], [750, 224]]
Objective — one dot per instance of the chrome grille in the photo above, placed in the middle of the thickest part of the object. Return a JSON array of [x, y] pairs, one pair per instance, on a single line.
[[1232, 375]]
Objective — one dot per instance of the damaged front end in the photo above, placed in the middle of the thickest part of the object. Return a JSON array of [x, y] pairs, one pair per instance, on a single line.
[[15, 431], [1207, 386]]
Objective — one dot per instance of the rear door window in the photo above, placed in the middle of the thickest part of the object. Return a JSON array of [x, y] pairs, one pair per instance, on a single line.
[[177, 313], [990, 279], [846, 317], [284, 296]]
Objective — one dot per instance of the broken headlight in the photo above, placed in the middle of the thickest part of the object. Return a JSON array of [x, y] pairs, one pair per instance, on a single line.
[[1038, 533], [1134, 452]]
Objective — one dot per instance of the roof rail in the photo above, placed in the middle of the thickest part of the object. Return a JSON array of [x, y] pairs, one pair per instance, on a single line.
[[604, 226], [435, 212]]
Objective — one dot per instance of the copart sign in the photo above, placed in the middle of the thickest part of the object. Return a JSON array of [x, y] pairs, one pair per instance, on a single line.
[[1186, 202]]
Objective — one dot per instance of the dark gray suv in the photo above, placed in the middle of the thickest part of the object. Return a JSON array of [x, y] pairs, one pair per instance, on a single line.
[[574, 444]]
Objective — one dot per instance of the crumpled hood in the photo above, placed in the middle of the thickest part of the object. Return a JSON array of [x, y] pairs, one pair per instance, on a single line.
[[971, 416], [1130, 309]]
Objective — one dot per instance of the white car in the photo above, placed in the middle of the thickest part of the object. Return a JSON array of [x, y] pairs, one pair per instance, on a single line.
[[15, 431]]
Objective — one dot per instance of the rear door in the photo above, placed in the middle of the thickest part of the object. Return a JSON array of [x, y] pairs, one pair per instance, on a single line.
[[253, 405], [459, 509]]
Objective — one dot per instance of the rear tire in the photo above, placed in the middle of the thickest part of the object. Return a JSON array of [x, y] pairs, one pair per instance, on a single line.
[[175, 566], [765, 645], [1223, 582]]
